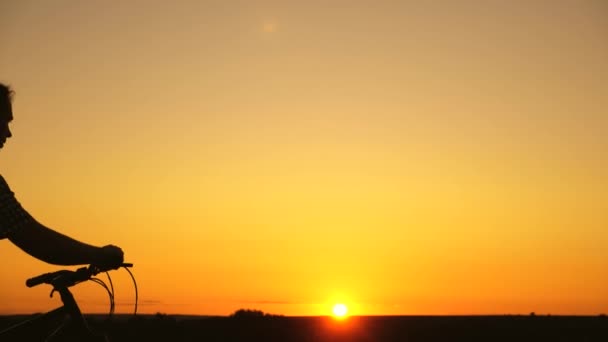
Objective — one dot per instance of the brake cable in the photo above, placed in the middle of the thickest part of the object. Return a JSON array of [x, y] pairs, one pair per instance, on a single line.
[[110, 290], [135, 285], [110, 293]]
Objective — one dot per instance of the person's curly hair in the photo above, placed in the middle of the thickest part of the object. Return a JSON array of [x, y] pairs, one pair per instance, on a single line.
[[6, 96]]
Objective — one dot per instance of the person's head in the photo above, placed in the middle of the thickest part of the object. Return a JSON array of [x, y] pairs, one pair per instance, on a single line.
[[6, 112]]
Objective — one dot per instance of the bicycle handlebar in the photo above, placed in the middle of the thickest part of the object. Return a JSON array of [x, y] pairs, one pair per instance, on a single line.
[[67, 278]]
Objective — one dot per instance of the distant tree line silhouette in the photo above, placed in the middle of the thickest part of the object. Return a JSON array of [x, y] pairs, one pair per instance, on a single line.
[[251, 313]]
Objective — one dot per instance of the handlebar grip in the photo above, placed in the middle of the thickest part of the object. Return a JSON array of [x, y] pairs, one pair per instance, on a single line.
[[41, 279]]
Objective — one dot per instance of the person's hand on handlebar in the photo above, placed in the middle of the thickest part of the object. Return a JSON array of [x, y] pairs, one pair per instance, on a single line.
[[109, 256]]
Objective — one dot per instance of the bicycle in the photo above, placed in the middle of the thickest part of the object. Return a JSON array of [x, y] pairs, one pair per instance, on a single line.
[[74, 326]]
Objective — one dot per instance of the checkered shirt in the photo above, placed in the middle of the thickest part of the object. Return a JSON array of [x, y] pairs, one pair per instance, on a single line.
[[12, 215]]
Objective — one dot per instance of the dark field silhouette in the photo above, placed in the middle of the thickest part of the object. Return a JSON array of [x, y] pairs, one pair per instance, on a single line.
[[364, 328]]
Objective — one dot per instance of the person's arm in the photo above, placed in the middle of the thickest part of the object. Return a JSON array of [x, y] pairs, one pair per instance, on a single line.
[[44, 243], [55, 248]]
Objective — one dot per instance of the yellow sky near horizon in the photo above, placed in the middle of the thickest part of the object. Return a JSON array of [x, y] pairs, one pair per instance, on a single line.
[[403, 158]]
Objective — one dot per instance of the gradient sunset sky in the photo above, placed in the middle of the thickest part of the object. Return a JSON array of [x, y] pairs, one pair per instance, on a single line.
[[401, 157]]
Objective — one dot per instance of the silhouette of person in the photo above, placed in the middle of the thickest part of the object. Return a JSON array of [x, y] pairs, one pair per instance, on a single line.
[[25, 232]]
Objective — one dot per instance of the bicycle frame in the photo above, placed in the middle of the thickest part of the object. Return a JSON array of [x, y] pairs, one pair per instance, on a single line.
[[69, 309]]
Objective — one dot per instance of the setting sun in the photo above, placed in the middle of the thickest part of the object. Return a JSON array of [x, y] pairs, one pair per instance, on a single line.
[[340, 310]]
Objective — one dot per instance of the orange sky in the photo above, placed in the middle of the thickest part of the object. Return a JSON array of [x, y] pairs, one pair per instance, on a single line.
[[402, 158]]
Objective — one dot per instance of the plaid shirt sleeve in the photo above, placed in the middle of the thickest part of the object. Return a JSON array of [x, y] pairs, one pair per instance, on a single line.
[[12, 215]]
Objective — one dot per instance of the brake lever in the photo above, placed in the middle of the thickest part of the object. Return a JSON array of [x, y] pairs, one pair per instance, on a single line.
[[95, 269]]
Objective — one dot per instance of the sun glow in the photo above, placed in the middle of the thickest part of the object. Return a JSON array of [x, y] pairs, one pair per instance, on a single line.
[[340, 310]]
